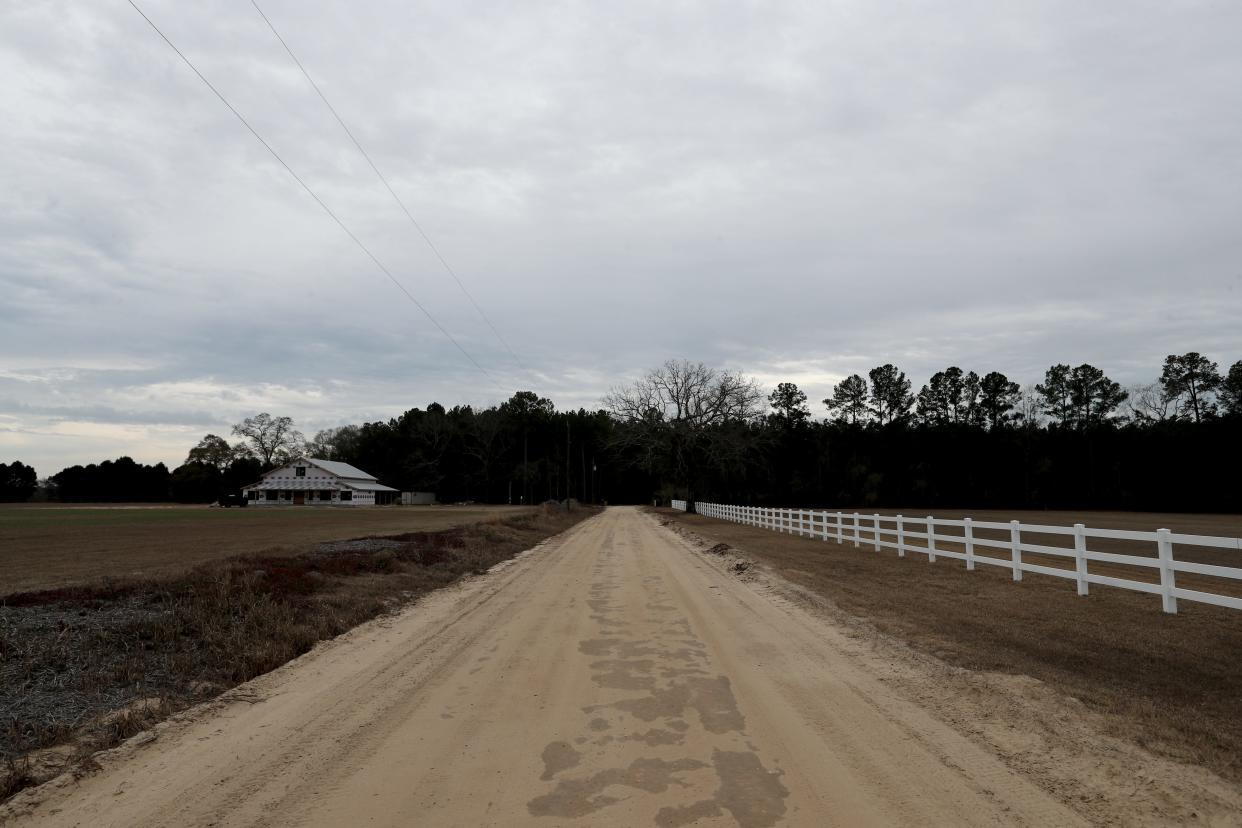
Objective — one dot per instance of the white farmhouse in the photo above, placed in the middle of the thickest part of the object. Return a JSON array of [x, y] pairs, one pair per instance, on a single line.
[[313, 482]]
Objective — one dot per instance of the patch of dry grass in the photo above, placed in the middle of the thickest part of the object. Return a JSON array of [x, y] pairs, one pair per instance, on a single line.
[[84, 668]]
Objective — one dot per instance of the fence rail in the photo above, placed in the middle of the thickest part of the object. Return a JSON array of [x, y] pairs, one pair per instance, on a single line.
[[897, 531]]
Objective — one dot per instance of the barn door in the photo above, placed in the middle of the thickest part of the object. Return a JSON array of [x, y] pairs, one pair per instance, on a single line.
[[299, 498]]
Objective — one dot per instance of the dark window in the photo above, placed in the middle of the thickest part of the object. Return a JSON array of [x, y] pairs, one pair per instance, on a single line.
[[325, 495], [347, 495], [271, 494], [300, 471], [252, 495]]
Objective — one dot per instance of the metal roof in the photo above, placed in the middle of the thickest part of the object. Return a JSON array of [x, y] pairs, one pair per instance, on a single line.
[[339, 469], [303, 485], [369, 487]]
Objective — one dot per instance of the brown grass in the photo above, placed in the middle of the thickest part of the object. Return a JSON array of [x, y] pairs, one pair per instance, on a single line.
[[50, 545], [1168, 682], [89, 666]]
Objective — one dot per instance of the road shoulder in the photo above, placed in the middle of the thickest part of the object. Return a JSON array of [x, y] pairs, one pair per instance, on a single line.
[[1046, 736]]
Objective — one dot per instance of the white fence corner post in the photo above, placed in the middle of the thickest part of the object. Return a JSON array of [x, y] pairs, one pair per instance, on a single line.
[[969, 533], [840, 527], [901, 537], [1080, 557], [931, 539], [1015, 548], [824, 533], [1164, 544], [875, 523], [857, 536]]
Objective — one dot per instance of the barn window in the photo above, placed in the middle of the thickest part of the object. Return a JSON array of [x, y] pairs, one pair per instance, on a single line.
[[301, 471], [347, 495], [271, 494]]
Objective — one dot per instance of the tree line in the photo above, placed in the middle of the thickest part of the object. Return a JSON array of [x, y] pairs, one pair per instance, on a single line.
[[1077, 439]]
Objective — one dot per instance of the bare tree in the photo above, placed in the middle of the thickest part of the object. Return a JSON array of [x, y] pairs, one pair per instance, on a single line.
[[1150, 403], [271, 439], [1029, 409], [684, 417]]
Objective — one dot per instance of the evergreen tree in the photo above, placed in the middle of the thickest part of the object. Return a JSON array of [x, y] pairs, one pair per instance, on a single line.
[[849, 399], [1191, 378], [890, 395]]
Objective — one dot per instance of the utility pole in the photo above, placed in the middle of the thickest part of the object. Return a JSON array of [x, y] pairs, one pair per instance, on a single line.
[[568, 488]]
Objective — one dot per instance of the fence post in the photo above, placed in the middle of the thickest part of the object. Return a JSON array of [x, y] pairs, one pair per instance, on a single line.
[[857, 536], [931, 540], [901, 537], [1080, 557], [970, 544], [1015, 548], [840, 527], [875, 525], [1167, 584]]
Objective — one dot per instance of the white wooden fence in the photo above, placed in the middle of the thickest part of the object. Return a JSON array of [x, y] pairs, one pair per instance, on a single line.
[[896, 532]]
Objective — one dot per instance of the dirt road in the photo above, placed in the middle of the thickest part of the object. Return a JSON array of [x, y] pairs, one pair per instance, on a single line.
[[610, 677]]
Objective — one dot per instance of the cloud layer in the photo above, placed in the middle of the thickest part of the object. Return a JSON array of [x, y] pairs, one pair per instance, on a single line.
[[799, 191]]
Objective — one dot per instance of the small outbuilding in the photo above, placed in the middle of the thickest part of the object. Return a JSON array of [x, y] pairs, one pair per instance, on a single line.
[[314, 482], [418, 498]]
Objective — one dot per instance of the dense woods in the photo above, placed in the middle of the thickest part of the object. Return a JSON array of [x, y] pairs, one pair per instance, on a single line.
[[1075, 440]]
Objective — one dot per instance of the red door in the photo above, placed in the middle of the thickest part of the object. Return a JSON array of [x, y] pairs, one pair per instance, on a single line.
[[299, 498]]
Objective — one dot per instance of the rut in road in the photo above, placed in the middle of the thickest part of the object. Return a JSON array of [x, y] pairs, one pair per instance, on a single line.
[[611, 676]]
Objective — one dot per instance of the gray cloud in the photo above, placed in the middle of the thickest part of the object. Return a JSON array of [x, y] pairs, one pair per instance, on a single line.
[[796, 191]]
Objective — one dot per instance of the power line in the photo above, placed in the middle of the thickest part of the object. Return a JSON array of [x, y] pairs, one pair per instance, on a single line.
[[317, 199], [388, 186]]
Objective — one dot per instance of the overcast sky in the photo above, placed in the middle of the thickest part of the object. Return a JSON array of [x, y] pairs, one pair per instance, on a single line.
[[795, 190]]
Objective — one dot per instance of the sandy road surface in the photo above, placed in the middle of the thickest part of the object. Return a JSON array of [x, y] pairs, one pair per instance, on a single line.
[[610, 677]]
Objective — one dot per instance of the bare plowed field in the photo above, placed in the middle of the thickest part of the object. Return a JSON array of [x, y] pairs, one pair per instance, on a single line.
[[42, 547]]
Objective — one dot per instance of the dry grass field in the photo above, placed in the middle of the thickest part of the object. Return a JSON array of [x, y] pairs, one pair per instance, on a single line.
[[50, 545], [1168, 682]]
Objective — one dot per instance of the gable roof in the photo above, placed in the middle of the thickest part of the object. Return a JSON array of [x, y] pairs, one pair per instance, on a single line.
[[339, 469]]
